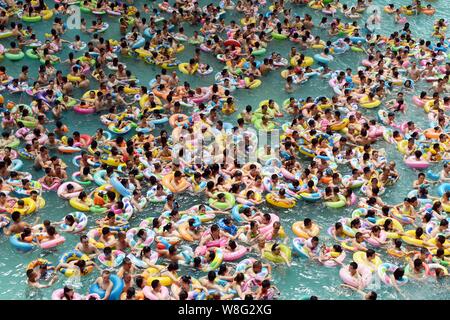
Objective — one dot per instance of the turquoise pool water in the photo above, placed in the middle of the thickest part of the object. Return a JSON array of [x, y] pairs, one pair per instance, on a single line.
[[304, 277]]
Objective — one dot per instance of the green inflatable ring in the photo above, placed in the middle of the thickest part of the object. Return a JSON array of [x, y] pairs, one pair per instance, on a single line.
[[278, 36], [30, 53], [441, 262], [29, 123], [258, 125], [98, 13], [42, 61], [14, 144], [259, 52], [130, 21], [83, 183], [336, 204], [197, 42], [84, 59], [278, 259], [229, 198], [14, 56], [32, 18], [85, 10], [72, 101], [97, 209], [356, 49]]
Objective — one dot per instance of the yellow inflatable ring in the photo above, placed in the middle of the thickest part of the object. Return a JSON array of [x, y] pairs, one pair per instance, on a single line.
[[397, 226], [149, 273], [364, 102], [47, 14], [80, 206], [298, 229], [73, 78], [183, 67], [30, 207], [410, 239], [252, 85], [360, 258], [144, 98], [308, 61], [166, 182], [285, 203]]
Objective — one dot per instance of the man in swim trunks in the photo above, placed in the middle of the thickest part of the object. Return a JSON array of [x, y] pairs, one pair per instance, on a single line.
[[34, 277], [87, 248], [105, 283], [17, 226]]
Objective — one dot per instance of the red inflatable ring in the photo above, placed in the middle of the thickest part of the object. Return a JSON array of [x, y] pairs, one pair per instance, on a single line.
[[232, 42]]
